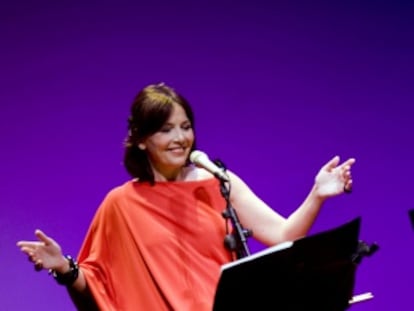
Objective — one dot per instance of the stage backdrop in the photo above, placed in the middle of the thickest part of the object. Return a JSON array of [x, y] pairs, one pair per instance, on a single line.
[[278, 88]]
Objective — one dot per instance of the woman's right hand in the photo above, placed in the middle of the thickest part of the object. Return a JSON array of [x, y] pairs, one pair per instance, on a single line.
[[45, 253]]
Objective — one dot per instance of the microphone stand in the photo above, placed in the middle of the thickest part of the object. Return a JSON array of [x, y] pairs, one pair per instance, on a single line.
[[237, 240]]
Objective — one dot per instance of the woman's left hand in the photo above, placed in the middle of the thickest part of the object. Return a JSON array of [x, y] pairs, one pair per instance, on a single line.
[[334, 178]]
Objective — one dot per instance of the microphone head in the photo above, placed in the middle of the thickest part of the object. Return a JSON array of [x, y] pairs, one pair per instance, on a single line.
[[201, 159], [196, 155]]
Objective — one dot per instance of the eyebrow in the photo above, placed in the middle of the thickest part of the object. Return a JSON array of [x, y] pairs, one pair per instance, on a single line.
[[183, 122]]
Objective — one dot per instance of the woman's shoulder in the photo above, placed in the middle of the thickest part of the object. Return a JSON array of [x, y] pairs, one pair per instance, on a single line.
[[118, 190]]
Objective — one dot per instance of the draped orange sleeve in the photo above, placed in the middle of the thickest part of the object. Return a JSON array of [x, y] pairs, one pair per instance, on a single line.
[[156, 247]]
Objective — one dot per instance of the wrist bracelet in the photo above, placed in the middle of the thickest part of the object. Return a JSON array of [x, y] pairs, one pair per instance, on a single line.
[[67, 278]]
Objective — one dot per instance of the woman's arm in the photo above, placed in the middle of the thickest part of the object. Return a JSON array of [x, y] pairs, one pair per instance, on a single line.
[[47, 254], [271, 228]]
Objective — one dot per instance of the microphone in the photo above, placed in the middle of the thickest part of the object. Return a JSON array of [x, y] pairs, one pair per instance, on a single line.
[[202, 160]]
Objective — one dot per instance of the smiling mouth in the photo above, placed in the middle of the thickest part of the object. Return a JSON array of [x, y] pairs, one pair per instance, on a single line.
[[178, 149]]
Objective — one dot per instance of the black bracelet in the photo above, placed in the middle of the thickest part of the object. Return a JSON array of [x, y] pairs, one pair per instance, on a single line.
[[69, 277]]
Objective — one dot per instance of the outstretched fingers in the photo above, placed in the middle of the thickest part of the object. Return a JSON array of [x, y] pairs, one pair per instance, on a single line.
[[33, 249], [43, 237], [349, 162], [346, 175], [332, 163], [28, 246]]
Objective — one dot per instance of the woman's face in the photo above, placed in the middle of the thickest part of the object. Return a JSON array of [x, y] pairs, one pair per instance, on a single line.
[[168, 149]]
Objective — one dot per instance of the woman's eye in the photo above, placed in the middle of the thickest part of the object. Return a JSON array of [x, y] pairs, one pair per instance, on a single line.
[[165, 129]]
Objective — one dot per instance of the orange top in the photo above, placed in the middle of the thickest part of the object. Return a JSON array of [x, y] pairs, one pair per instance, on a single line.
[[156, 247]]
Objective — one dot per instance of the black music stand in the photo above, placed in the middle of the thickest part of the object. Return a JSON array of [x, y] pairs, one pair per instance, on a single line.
[[313, 273]]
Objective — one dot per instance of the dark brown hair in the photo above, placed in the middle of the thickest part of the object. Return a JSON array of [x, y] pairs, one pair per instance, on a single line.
[[150, 109]]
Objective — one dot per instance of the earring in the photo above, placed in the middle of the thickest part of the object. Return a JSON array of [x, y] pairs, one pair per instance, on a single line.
[[141, 146]]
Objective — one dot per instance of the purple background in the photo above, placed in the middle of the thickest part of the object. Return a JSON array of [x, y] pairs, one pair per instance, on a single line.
[[278, 89]]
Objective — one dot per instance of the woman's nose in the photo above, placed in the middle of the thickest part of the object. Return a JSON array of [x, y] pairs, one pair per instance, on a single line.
[[178, 135]]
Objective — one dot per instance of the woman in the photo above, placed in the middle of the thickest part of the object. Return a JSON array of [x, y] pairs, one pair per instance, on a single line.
[[156, 241]]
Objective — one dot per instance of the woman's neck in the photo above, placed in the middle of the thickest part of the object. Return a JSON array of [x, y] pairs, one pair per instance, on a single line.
[[177, 175], [186, 173]]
